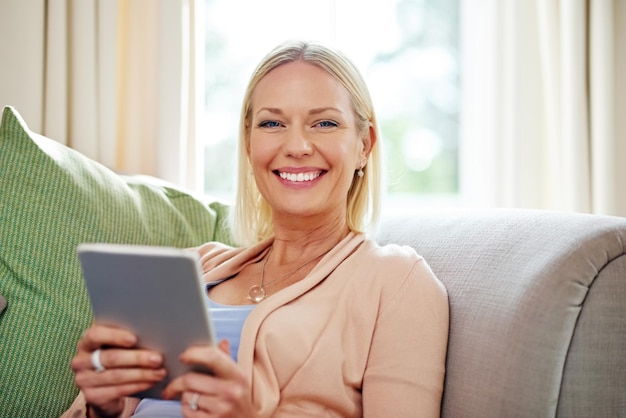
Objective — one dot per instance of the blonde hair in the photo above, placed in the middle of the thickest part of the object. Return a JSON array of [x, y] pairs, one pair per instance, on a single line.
[[251, 218]]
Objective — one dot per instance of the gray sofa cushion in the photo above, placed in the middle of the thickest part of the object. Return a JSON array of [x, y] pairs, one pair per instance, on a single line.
[[538, 309]]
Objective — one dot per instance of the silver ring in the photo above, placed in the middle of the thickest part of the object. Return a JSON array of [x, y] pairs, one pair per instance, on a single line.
[[96, 363], [193, 403]]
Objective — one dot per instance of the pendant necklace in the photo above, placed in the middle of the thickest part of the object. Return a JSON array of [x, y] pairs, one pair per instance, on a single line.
[[256, 293]]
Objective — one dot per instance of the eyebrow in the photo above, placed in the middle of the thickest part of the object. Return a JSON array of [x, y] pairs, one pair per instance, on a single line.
[[315, 111]]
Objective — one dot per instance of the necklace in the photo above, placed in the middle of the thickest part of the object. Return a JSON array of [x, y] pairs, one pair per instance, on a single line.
[[256, 293]]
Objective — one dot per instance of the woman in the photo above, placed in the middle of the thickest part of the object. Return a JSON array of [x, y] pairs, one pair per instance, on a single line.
[[322, 321]]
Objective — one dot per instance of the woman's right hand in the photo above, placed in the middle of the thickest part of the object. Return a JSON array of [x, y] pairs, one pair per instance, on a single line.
[[127, 369]]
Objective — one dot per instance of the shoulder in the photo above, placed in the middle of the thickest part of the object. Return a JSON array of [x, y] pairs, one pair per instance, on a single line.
[[398, 271], [391, 249], [214, 253], [400, 257], [219, 260], [212, 248]]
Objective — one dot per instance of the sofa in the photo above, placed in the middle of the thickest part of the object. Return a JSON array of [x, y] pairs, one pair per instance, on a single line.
[[537, 298]]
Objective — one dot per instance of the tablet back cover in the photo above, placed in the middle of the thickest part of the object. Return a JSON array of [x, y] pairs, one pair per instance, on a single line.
[[156, 292]]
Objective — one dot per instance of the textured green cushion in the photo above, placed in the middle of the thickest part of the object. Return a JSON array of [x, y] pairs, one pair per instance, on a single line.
[[51, 199]]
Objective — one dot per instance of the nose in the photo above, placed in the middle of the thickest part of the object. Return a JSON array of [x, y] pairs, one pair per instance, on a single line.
[[297, 144]]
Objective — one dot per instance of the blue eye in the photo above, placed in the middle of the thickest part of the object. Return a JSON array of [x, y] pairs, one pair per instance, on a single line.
[[328, 124], [269, 124]]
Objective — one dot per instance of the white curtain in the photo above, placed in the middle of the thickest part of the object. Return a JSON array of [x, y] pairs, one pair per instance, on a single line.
[[119, 81], [544, 104]]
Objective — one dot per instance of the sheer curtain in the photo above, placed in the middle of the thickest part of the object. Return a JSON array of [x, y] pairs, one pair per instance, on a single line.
[[544, 111], [116, 80]]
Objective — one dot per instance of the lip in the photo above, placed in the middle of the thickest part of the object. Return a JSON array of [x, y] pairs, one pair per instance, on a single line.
[[303, 177]]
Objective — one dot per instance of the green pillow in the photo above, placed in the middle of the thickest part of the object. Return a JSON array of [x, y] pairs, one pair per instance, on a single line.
[[51, 199]]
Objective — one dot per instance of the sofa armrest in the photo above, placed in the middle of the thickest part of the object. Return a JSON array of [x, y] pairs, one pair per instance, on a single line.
[[538, 308]]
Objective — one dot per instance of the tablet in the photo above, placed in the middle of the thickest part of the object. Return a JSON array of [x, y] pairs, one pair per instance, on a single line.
[[156, 292]]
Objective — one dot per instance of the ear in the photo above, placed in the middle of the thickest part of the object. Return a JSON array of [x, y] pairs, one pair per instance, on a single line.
[[369, 140]]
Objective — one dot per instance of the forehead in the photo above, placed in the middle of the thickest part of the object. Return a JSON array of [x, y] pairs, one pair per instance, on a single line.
[[290, 83]]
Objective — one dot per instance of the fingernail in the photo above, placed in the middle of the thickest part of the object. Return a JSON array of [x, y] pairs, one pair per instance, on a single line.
[[154, 358]]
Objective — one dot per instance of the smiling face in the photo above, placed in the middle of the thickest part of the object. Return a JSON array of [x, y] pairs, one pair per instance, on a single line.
[[304, 144]]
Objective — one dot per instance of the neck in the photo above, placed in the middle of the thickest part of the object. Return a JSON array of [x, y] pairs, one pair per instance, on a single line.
[[299, 243]]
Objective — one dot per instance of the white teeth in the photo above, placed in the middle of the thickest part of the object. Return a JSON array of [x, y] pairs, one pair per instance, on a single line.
[[297, 177]]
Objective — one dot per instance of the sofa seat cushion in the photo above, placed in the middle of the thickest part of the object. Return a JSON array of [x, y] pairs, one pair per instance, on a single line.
[[52, 199]]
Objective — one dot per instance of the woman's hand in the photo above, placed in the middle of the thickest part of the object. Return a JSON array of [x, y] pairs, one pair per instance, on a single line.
[[226, 393], [127, 370]]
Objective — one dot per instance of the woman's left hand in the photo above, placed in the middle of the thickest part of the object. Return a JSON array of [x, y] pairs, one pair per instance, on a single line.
[[226, 393]]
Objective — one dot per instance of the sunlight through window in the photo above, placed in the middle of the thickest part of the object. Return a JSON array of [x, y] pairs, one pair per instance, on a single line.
[[407, 50]]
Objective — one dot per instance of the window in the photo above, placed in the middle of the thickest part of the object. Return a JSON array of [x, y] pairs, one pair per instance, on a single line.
[[407, 50]]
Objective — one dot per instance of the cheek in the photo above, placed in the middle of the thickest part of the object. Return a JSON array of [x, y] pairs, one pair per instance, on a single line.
[[258, 151], [346, 153]]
